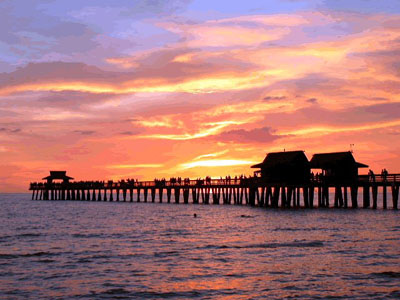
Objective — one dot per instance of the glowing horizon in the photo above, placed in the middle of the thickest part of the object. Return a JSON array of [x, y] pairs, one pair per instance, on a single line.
[[116, 89]]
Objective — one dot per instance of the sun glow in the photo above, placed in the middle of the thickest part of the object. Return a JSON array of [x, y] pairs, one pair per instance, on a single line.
[[216, 163]]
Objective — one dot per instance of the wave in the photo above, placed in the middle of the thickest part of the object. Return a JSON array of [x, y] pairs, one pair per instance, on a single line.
[[390, 274], [18, 236], [83, 235], [34, 254], [122, 293], [268, 245]]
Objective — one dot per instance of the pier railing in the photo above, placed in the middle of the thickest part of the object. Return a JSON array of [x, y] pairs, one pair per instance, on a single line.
[[252, 191], [390, 178]]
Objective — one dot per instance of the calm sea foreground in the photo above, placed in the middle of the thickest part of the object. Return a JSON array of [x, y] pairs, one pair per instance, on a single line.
[[102, 250]]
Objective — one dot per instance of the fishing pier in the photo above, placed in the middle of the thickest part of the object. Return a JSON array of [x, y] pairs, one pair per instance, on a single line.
[[250, 191], [284, 180]]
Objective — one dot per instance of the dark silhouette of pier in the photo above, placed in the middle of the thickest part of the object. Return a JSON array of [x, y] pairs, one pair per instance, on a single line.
[[251, 191], [299, 188]]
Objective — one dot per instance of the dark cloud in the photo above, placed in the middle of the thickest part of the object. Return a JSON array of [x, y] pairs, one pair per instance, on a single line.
[[130, 132], [315, 114], [30, 32], [10, 130], [59, 72], [385, 60], [72, 100], [258, 135], [157, 66], [85, 132], [312, 100], [385, 111], [362, 6], [271, 98]]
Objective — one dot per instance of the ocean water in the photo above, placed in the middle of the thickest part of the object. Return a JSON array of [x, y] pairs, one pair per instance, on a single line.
[[102, 250]]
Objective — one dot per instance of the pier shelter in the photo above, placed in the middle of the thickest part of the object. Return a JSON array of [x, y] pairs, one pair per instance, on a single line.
[[58, 175], [337, 167], [290, 167]]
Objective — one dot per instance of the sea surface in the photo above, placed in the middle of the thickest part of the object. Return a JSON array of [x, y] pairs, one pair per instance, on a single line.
[[103, 250]]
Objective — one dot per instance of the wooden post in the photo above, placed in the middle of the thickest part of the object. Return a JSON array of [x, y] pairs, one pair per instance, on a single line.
[[268, 196], [78, 195], [241, 196], [177, 192], [354, 192], [366, 201], [262, 197], [258, 197], [124, 194], [234, 196], [186, 195], [105, 194], [252, 196], [160, 194], [99, 195], [207, 196], [117, 190], [169, 194], [336, 197], [346, 204], [298, 196], [395, 195], [145, 193], [214, 196], [276, 196], [194, 196], [111, 195], [325, 195], [224, 196], [311, 196], [374, 196], [283, 196], [384, 192], [320, 204], [294, 197], [131, 194], [94, 195], [305, 196]]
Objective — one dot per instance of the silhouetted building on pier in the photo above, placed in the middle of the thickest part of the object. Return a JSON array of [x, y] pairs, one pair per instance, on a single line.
[[57, 175], [337, 167], [285, 167]]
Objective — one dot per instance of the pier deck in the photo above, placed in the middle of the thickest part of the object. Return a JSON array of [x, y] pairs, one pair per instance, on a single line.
[[252, 191]]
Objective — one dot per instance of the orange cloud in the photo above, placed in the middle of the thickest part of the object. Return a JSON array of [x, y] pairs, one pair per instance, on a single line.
[[216, 163]]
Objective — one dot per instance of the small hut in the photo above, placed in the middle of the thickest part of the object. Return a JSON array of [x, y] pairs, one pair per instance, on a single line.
[[337, 167], [290, 167], [57, 175]]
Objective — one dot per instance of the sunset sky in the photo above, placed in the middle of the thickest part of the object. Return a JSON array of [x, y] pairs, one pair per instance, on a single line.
[[142, 89]]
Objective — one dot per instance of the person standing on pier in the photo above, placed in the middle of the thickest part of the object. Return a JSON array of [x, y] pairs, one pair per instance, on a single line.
[[371, 175]]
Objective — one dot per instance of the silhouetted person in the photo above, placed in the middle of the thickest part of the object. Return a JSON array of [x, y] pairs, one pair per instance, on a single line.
[[371, 175]]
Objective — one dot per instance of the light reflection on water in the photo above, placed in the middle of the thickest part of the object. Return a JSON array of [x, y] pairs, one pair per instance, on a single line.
[[67, 250]]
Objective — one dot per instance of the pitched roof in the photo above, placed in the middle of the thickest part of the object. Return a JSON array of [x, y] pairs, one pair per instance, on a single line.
[[275, 159], [57, 175], [328, 160]]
